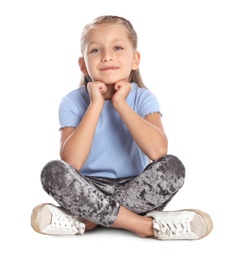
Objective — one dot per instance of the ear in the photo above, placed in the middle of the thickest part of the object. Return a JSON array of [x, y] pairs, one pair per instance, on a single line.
[[136, 60], [82, 66]]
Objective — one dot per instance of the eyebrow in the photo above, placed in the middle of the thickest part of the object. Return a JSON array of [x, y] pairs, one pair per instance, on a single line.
[[115, 40]]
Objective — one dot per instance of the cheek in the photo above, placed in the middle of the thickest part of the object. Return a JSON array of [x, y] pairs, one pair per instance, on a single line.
[[128, 58], [89, 62], [92, 60]]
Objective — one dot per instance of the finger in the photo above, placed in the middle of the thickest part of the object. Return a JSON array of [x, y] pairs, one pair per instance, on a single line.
[[117, 86], [103, 89]]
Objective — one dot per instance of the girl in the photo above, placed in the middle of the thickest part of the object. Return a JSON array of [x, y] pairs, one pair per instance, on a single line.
[[110, 130]]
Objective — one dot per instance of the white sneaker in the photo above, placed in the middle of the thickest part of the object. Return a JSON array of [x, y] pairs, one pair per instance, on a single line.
[[52, 220], [183, 224]]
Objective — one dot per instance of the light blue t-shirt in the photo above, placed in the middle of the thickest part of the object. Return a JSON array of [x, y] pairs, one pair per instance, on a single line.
[[114, 153]]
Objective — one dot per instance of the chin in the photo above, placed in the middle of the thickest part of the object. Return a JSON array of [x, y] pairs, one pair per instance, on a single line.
[[107, 83], [110, 82]]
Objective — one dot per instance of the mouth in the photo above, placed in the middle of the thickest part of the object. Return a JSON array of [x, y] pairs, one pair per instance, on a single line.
[[107, 68]]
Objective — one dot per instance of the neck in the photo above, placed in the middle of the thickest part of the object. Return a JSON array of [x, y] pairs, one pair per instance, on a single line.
[[110, 92]]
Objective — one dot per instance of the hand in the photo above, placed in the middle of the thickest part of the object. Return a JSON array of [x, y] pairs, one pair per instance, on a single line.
[[96, 90], [122, 89]]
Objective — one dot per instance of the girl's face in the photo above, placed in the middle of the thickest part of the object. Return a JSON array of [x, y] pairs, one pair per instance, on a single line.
[[108, 55]]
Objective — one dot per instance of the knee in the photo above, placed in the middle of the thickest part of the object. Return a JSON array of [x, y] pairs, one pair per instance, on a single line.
[[171, 168], [175, 165], [52, 173]]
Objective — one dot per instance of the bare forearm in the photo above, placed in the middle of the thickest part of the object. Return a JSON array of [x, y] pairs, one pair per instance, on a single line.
[[151, 140], [77, 146]]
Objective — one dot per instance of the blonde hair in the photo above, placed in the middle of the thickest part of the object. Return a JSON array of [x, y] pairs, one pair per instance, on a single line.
[[135, 75]]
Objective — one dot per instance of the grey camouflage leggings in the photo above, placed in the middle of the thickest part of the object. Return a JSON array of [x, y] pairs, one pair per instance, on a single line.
[[98, 199]]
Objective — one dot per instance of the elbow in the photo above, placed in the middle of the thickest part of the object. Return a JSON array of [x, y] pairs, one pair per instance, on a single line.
[[157, 154], [74, 163], [159, 151]]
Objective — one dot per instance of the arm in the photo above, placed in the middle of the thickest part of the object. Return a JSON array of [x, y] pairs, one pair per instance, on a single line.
[[147, 132], [75, 143]]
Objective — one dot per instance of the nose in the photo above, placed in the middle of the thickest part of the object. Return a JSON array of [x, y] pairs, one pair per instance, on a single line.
[[107, 56]]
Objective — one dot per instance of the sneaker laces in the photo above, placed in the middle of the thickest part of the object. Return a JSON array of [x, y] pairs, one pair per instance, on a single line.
[[66, 222], [172, 228]]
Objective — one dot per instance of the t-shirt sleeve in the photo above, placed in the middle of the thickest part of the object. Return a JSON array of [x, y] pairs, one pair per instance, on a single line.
[[68, 113], [148, 103]]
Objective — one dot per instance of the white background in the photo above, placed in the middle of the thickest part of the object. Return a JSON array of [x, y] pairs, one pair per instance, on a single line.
[[188, 60]]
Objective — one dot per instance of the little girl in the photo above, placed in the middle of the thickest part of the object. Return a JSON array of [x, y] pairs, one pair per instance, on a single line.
[[114, 169]]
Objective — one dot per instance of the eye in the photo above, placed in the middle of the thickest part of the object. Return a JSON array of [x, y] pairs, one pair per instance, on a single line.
[[117, 48], [95, 50]]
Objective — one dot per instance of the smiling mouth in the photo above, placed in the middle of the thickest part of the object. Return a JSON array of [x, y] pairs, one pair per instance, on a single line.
[[108, 68]]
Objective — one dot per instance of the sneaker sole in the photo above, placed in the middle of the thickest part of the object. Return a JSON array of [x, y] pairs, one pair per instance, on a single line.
[[35, 218], [206, 217]]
